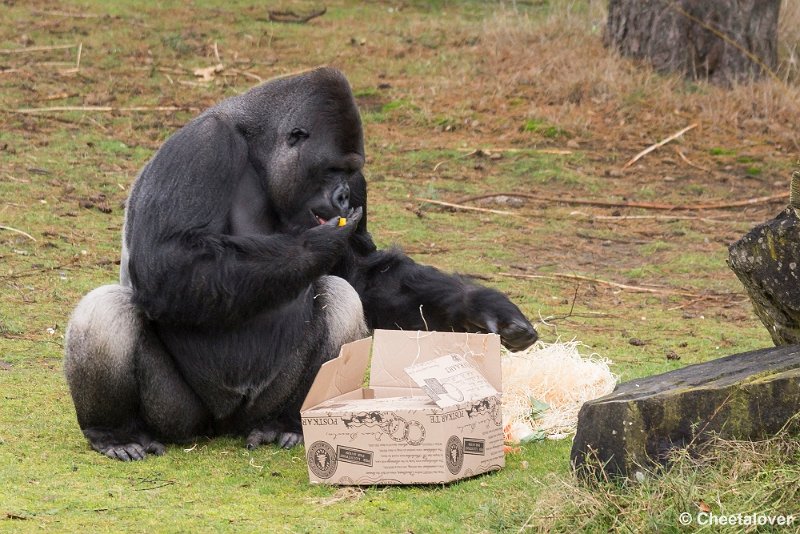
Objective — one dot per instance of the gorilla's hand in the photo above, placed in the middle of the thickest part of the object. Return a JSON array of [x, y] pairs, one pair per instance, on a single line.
[[490, 311], [331, 238]]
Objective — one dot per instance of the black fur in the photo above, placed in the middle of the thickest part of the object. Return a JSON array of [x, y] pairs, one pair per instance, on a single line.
[[232, 280]]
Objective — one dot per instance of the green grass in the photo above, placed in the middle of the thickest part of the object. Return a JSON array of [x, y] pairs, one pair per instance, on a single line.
[[544, 129], [717, 151], [694, 486]]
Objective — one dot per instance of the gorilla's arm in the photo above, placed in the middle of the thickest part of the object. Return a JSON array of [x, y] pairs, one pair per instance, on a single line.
[[398, 293], [185, 266]]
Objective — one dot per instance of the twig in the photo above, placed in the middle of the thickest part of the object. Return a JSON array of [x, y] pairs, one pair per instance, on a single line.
[[627, 287], [688, 303], [103, 109], [29, 272], [67, 14], [586, 235], [465, 208], [655, 218], [685, 159], [77, 66], [644, 205], [78, 62], [162, 485], [59, 96], [35, 49], [663, 142], [20, 232], [291, 16], [571, 307], [255, 77]]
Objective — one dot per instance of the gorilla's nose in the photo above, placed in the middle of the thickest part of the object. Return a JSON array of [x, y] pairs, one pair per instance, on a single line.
[[341, 198]]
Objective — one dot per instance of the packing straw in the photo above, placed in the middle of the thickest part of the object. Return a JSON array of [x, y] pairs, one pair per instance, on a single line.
[[545, 386]]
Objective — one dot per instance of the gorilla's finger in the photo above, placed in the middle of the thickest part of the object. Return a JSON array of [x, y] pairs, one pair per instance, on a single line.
[[518, 336], [491, 325], [355, 215]]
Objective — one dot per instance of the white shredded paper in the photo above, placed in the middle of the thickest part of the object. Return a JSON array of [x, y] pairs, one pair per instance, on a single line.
[[555, 374]]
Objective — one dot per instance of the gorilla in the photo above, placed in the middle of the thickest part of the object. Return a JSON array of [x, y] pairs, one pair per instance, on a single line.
[[238, 278]]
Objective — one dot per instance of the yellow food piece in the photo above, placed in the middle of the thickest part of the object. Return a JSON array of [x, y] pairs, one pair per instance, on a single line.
[[342, 221]]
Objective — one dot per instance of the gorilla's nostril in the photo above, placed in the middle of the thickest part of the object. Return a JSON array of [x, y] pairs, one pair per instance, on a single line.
[[341, 197]]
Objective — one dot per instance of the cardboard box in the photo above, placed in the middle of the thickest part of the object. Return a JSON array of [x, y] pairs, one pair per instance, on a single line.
[[442, 425]]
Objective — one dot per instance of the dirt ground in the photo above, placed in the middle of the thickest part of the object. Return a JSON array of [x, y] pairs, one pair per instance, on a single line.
[[459, 101]]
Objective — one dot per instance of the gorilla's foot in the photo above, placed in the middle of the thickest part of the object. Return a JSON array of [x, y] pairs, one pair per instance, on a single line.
[[124, 446], [273, 433]]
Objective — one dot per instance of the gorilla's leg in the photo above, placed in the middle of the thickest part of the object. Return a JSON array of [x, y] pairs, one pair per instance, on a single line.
[[101, 341], [105, 338], [171, 409], [338, 319]]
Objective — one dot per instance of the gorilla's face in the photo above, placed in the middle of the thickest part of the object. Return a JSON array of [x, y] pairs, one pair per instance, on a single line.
[[314, 155]]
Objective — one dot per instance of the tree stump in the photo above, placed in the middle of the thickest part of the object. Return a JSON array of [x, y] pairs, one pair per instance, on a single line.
[[767, 262], [724, 41]]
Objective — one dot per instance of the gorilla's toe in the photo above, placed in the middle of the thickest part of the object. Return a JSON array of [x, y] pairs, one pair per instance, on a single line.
[[126, 453], [156, 448], [122, 445], [273, 433], [287, 440], [262, 436]]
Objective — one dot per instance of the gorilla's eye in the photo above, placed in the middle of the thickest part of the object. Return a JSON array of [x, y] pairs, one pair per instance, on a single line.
[[296, 135]]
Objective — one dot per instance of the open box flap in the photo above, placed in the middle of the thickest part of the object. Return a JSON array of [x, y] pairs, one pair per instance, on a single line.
[[394, 350], [340, 375]]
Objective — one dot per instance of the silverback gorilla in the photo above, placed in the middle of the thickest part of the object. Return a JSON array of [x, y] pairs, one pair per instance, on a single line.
[[237, 282]]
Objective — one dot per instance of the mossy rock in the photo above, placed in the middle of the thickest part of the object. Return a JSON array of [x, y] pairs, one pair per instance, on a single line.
[[751, 395]]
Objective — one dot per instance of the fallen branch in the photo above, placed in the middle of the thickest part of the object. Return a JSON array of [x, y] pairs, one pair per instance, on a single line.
[[20, 232], [487, 152], [643, 205], [655, 217], [465, 208], [663, 142], [291, 16], [101, 109], [627, 287]]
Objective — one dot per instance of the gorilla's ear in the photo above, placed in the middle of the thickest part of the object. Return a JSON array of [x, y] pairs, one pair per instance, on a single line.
[[297, 135]]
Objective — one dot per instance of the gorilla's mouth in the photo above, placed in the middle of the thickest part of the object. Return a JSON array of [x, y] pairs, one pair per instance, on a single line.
[[319, 218]]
